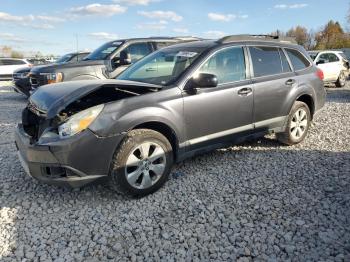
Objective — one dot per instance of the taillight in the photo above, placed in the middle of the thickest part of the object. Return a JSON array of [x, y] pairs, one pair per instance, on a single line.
[[320, 74]]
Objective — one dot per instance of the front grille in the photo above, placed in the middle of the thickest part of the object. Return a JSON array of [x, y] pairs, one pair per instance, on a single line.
[[37, 80], [17, 76]]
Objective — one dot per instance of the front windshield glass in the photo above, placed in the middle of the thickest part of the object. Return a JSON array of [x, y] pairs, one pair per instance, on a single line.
[[161, 68], [65, 58], [103, 51]]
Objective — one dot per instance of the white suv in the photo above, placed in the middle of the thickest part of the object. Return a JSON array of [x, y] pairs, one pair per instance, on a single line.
[[334, 64], [9, 65]]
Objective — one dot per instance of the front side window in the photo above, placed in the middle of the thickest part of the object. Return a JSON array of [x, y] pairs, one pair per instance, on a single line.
[[266, 60], [138, 51], [162, 67], [228, 65], [298, 60]]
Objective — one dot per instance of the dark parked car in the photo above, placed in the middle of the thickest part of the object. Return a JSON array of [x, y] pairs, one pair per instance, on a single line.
[[20, 76], [177, 102], [107, 61]]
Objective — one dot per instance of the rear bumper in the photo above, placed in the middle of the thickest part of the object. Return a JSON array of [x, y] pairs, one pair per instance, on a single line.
[[73, 162]]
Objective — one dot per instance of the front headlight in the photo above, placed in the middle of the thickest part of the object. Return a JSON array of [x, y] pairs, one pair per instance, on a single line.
[[53, 77], [79, 122]]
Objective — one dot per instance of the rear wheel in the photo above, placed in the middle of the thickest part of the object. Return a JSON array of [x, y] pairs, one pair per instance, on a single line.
[[299, 120], [142, 163], [341, 80]]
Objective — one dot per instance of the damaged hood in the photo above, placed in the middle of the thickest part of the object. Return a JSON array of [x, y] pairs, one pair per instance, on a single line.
[[51, 99]]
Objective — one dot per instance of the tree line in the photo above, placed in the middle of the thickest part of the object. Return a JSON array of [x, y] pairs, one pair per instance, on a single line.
[[331, 36]]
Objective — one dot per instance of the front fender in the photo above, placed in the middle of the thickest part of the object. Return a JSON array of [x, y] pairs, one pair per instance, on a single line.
[[119, 117]]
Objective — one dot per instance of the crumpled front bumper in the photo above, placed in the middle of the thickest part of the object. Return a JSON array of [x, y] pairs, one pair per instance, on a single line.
[[73, 162]]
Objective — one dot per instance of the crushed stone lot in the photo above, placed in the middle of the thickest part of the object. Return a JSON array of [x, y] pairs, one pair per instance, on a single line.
[[253, 202]]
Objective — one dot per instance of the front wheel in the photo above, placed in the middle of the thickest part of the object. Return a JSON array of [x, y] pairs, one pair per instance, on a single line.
[[299, 120], [341, 81], [142, 163]]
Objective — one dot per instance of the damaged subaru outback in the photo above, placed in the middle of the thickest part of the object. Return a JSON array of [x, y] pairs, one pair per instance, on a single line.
[[175, 103]]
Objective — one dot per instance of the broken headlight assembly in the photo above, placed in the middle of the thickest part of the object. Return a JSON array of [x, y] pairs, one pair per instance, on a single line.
[[53, 77], [79, 121]]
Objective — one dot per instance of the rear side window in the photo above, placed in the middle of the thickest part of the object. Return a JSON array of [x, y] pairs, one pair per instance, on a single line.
[[266, 60], [227, 64], [297, 59]]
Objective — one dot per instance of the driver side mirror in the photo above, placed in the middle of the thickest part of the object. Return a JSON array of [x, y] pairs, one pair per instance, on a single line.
[[321, 61], [204, 80], [125, 58]]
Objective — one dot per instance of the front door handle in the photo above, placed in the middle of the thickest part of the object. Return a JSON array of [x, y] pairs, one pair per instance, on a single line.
[[245, 91], [290, 82], [150, 69]]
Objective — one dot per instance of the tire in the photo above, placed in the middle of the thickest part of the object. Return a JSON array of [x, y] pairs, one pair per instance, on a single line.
[[341, 80], [134, 173], [297, 128]]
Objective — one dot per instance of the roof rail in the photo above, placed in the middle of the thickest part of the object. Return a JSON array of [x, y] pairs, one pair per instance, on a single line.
[[187, 38], [273, 38], [184, 38]]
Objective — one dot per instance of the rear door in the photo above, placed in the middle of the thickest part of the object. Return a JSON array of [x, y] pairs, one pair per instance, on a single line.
[[273, 79]]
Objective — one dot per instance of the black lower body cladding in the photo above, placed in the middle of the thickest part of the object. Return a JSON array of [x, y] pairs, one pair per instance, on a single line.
[[73, 162]]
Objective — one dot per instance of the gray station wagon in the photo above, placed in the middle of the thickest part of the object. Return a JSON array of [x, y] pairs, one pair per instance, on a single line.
[[173, 104]]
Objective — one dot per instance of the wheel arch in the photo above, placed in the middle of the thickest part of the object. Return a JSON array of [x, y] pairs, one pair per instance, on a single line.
[[165, 130], [309, 101]]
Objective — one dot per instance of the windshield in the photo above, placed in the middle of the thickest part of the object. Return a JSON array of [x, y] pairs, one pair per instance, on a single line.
[[104, 51], [313, 55], [64, 58], [161, 68]]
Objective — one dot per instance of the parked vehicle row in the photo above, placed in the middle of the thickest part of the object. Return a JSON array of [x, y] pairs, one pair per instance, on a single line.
[[176, 102], [21, 76], [106, 62], [9, 65], [334, 64]]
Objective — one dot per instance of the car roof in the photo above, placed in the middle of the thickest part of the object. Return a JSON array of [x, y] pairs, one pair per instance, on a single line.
[[208, 44]]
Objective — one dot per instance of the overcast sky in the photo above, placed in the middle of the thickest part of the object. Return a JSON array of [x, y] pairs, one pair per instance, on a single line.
[[51, 26]]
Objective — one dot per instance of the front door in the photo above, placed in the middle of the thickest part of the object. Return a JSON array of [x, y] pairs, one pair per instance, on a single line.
[[213, 114]]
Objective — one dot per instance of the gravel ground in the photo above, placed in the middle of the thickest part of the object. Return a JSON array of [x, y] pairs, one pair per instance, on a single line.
[[253, 202]]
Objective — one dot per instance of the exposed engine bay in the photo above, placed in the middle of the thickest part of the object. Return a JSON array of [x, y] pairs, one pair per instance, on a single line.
[[35, 122]]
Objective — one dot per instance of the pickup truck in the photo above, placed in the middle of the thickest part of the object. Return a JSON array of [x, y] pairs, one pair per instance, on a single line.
[[106, 62]]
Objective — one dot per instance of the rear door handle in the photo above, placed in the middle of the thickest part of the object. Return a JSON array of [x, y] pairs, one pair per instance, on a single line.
[[244, 91], [290, 82]]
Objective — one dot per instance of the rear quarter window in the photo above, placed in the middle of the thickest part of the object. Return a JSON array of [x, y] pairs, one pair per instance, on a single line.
[[297, 59]]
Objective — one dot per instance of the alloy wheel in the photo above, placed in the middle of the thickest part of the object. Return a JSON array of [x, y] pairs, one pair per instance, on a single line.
[[145, 165], [299, 124]]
